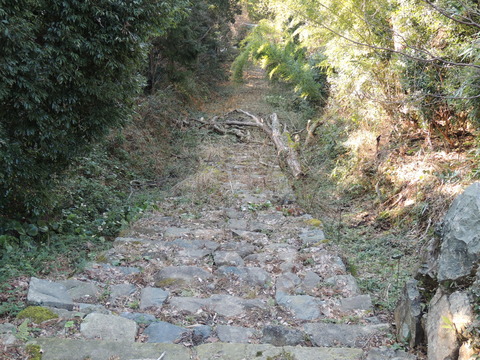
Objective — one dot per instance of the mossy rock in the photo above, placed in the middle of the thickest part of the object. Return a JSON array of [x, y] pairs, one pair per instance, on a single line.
[[101, 258], [34, 352], [315, 223], [37, 314], [169, 282]]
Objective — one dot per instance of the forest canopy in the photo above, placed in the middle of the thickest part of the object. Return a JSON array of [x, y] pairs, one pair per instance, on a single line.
[[412, 60]]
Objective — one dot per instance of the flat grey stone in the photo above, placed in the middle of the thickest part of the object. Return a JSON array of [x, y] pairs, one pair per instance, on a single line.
[[275, 218], [67, 314], [129, 240], [237, 224], [202, 331], [7, 328], [241, 248], [230, 306], [7, 339], [342, 334], [108, 327], [251, 275], [188, 274], [360, 302], [303, 307], [193, 254], [7, 332], [385, 353], [163, 332], [66, 349], [227, 258], [184, 244], [233, 214], [155, 255], [207, 233], [139, 318], [188, 304], [230, 351], [280, 247], [175, 232], [49, 293], [124, 270], [311, 237], [287, 282], [93, 308], [234, 334], [225, 305], [311, 281], [81, 289], [153, 297], [251, 236], [281, 336], [197, 244], [287, 254], [260, 226], [256, 276], [128, 270], [260, 258], [346, 284], [119, 290]]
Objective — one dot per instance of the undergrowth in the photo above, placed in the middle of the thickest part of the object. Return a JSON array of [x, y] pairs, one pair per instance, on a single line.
[[380, 200], [121, 178]]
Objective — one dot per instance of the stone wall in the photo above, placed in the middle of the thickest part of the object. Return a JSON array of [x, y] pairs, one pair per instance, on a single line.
[[437, 307]]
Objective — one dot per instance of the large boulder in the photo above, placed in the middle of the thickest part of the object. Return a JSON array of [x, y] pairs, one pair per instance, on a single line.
[[460, 248], [451, 260], [448, 317]]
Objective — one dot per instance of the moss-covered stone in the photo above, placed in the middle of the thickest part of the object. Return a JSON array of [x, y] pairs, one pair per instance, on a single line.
[[37, 314], [101, 258], [169, 282], [34, 352], [315, 223]]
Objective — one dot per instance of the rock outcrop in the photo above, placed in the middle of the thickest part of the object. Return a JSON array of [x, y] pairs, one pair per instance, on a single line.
[[438, 308]]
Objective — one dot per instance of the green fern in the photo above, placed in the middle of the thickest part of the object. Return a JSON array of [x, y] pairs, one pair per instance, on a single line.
[[23, 332], [279, 53]]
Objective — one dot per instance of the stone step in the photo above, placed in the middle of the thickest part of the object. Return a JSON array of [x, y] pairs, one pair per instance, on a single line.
[[252, 301], [207, 327], [65, 349]]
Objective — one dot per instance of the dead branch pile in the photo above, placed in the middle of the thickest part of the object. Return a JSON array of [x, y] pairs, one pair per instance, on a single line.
[[286, 148]]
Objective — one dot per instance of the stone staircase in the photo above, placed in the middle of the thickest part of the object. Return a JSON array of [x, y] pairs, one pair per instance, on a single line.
[[244, 274]]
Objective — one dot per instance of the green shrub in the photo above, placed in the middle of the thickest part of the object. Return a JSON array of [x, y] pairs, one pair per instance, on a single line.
[[68, 74]]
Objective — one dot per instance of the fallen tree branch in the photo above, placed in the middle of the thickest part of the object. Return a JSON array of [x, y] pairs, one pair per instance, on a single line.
[[286, 153], [281, 139], [218, 128]]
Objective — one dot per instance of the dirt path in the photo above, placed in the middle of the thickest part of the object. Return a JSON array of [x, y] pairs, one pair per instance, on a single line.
[[228, 267]]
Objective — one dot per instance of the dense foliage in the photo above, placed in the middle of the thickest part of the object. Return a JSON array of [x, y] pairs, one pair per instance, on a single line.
[[411, 60], [68, 73], [194, 47], [278, 49]]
